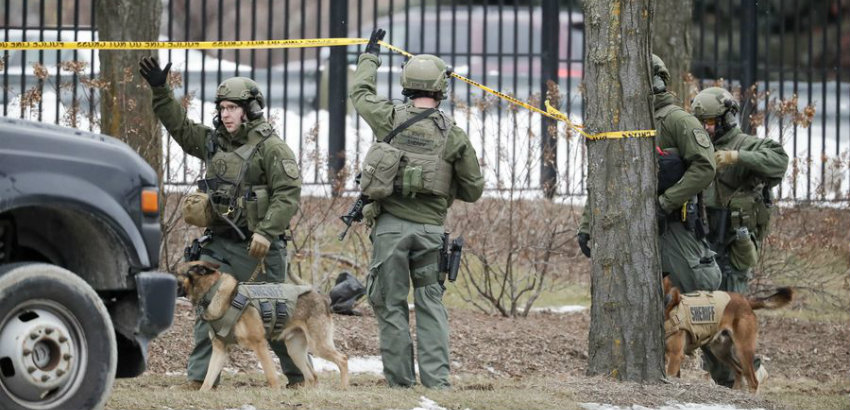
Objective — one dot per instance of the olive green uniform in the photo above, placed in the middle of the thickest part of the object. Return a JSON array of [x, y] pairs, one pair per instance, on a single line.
[[406, 240], [688, 260], [272, 166], [737, 192]]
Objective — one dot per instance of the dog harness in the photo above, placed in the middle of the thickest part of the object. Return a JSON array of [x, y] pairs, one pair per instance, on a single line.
[[274, 301], [699, 314]]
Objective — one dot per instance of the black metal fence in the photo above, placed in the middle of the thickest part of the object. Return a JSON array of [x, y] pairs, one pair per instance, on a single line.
[[785, 46]]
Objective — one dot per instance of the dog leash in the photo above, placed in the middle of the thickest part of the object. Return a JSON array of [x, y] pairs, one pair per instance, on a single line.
[[261, 267]]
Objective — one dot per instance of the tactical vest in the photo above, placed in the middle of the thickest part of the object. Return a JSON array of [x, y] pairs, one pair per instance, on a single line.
[[422, 168], [742, 198], [230, 194], [274, 301], [699, 314], [412, 162]]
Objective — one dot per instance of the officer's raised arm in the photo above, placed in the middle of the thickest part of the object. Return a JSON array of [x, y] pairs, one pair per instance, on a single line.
[[377, 111], [191, 136]]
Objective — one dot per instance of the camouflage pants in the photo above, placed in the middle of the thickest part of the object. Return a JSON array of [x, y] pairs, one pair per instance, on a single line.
[[241, 265], [405, 252], [688, 261]]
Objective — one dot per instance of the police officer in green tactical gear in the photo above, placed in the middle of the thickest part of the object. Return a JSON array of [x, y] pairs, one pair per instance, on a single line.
[[738, 201], [250, 193], [685, 254], [420, 163]]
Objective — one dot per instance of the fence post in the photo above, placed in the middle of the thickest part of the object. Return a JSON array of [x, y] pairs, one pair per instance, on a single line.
[[749, 60], [549, 72], [337, 96]]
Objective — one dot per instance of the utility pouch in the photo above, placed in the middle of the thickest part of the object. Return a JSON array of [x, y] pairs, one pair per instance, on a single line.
[[256, 203], [427, 173], [743, 207], [197, 210], [412, 182], [380, 167], [743, 253], [763, 212], [374, 290]]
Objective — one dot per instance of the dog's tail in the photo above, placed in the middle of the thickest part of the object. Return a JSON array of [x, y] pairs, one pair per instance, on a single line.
[[782, 297]]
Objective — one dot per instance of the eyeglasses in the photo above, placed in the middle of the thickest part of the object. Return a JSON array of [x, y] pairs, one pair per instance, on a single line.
[[229, 108], [710, 121]]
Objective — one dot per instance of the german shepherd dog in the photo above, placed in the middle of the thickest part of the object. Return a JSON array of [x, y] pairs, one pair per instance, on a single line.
[[310, 325], [734, 339]]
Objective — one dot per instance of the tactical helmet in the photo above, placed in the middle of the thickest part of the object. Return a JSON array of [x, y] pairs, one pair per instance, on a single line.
[[659, 69], [425, 72], [714, 102], [242, 90]]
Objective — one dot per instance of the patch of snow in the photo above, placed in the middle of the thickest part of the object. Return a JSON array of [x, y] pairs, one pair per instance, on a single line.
[[428, 404], [365, 364], [560, 309]]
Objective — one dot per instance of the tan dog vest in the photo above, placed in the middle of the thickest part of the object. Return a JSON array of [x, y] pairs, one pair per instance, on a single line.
[[274, 301], [699, 314]]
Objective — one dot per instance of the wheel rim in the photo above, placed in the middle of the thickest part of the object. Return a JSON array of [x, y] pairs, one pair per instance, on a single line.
[[43, 353]]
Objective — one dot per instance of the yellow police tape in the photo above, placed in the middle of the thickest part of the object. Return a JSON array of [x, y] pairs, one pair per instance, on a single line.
[[181, 45], [551, 112]]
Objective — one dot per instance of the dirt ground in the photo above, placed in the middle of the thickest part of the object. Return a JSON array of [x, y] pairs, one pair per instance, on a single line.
[[812, 353]]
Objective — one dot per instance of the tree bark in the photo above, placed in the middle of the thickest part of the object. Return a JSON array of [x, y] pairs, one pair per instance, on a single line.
[[671, 40], [626, 338], [125, 105]]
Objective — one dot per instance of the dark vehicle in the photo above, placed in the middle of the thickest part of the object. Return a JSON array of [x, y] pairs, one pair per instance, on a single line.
[[79, 242]]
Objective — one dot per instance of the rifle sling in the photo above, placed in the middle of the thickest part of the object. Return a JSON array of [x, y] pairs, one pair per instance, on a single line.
[[408, 123]]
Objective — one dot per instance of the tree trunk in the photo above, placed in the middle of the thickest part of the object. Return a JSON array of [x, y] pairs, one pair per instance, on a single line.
[[671, 40], [626, 338], [125, 104]]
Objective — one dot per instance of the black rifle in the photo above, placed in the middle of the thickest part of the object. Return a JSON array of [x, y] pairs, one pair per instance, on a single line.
[[719, 218], [208, 184], [193, 252], [691, 214], [354, 214], [767, 197]]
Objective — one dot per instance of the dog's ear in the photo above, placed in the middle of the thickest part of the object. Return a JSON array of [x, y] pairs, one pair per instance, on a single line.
[[667, 284], [203, 268], [182, 285], [671, 300]]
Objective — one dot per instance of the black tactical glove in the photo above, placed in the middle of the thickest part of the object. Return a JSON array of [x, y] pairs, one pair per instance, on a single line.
[[150, 71], [583, 239], [372, 46]]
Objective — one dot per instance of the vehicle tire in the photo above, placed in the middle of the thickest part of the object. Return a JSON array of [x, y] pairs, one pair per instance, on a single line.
[[57, 343]]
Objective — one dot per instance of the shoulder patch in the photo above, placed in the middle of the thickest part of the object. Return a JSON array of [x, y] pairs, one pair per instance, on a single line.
[[265, 129], [290, 167], [702, 138]]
